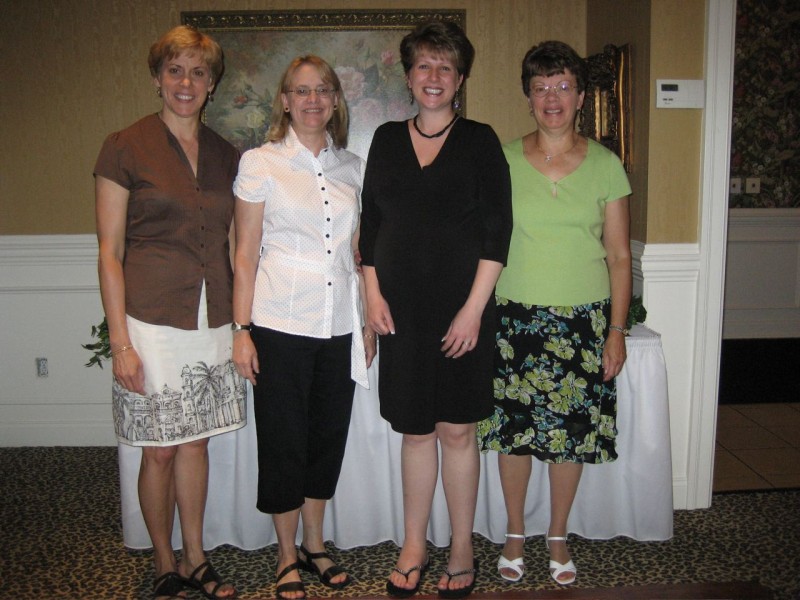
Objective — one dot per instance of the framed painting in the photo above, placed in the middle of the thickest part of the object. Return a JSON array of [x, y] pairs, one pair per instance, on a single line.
[[606, 107], [363, 46]]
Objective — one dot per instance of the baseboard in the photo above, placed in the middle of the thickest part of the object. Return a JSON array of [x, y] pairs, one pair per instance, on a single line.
[[57, 433]]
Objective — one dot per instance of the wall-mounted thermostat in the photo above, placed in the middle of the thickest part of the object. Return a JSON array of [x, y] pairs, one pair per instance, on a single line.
[[680, 93]]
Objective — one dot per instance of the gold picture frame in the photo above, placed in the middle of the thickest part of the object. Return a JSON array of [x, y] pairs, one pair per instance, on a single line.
[[361, 45], [606, 107]]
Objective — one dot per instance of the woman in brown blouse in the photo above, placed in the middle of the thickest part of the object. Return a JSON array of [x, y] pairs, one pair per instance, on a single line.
[[164, 206]]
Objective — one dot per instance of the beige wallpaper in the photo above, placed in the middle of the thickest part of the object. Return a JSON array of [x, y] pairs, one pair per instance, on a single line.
[[634, 30], [675, 135], [75, 70]]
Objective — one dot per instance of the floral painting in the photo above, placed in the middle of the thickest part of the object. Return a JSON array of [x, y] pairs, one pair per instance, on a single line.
[[361, 46]]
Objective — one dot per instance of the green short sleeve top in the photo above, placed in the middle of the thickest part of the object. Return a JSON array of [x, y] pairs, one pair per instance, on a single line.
[[557, 257]]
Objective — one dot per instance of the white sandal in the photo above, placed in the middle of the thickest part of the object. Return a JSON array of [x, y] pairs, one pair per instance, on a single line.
[[557, 568], [517, 565]]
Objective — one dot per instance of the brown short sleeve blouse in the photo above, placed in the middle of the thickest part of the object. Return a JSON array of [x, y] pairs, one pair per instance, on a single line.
[[177, 225]]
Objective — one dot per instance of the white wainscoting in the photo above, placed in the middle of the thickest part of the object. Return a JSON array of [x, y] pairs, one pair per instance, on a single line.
[[762, 277], [670, 293], [49, 300]]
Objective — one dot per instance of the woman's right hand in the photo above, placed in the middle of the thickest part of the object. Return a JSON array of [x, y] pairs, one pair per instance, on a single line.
[[128, 371], [379, 317], [245, 357]]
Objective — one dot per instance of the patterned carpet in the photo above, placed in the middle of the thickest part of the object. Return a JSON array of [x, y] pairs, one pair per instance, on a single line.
[[61, 538]]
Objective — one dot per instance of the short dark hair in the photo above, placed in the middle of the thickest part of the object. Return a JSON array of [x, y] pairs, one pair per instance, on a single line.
[[552, 58], [439, 37]]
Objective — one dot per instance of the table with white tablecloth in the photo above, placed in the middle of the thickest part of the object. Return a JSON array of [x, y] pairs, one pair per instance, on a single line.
[[630, 497]]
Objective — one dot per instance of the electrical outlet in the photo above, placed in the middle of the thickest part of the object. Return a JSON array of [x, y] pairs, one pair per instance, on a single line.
[[752, 185], [41, 367], [736, 185]]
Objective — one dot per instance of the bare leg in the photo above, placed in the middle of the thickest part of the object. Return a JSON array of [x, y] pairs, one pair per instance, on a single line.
[[460, 473], [564, 480], [191, 491], [286, 531], [313, 513], [515, 473], [420, 469], [157, 500]]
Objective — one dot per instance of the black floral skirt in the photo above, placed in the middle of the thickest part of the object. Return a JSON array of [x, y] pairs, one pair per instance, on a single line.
[[550, 398]]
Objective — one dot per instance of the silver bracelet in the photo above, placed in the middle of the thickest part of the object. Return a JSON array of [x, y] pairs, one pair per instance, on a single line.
[[622, 330]]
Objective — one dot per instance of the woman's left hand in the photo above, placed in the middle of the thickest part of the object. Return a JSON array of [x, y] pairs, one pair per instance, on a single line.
[[370, 344], [462, 335], [614, 355], [245, 357]]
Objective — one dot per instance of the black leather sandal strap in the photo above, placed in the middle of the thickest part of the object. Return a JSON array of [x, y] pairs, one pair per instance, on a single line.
[[168, 584], [289, 568], [314, 555]]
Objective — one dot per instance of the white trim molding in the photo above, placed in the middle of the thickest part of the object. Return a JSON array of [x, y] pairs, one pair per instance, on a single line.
[[48, 263], [669, 292], [683, 284], [762, 282], [720, 40]]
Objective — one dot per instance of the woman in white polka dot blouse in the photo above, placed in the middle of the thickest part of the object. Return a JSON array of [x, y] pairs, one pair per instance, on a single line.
[[297, 310]]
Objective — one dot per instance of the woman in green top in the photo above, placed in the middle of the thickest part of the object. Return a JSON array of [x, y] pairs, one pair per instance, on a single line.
[[562, 306]]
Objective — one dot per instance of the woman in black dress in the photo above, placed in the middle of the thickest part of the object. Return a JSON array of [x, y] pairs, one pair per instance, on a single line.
[[435, 230]]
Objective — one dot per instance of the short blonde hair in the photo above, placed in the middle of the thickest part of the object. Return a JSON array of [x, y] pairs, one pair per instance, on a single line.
[[180, 39], [280, 119]]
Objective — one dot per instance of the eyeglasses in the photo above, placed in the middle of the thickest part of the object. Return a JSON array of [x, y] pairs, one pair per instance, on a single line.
[[304, 92], [562, 87]]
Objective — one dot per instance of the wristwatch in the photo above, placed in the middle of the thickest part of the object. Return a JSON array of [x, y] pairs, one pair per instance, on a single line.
[[237, 327], [622, 330]]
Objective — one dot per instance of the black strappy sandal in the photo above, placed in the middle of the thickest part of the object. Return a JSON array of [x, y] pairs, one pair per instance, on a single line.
[[169, 585], [325, 577], [292, 586], [208, 576]]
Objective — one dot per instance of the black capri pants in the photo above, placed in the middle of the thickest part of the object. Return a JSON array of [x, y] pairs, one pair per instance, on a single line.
[[303, 398]]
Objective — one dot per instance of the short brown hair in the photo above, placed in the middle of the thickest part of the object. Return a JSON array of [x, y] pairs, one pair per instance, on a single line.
[[552, 58], [438, 36], [180, 39], [280, 119]]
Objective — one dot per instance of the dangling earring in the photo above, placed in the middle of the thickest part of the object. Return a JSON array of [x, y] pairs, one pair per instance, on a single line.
[[158, 92], [410, 96], [210, 96], [457, 100]]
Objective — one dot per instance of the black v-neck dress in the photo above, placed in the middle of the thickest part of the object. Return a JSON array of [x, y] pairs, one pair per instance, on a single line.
[[424, 229]]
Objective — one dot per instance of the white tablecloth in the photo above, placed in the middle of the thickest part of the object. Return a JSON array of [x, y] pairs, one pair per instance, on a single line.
[[630, 497]]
